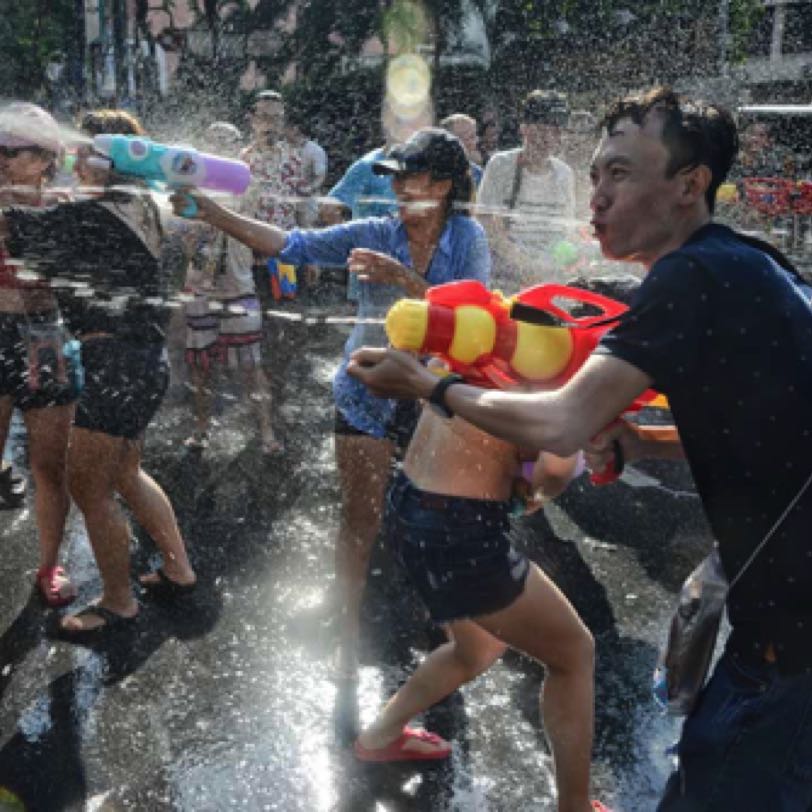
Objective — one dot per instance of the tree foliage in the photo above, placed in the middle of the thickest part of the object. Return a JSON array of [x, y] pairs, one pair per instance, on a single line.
[[586, 47], [32, 34]]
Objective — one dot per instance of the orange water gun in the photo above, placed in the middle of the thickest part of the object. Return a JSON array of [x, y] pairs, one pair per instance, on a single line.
[[498, 342]]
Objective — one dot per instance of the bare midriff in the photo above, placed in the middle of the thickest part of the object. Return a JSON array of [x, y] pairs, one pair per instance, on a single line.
[[454, 458]]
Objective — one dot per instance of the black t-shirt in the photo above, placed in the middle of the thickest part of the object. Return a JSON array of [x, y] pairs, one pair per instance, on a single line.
[[726, 333], [107, 250]]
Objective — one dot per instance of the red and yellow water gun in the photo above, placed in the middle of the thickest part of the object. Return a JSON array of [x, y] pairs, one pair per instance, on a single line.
[[498, 342]]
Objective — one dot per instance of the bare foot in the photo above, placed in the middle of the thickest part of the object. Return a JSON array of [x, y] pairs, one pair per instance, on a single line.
[[175, 576]]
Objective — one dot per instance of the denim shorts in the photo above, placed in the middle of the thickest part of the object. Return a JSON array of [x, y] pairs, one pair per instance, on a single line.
[[124, 386], [456, 551], [399, 430], [748, 744]]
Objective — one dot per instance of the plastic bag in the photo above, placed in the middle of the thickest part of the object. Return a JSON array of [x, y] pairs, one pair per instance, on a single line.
[[45, 356], [684, 663]]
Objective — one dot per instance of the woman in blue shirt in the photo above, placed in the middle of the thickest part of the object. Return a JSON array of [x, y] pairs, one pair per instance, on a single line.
[[431, 241]]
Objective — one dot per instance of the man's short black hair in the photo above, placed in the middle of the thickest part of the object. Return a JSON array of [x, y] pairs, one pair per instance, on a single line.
[[694, 133], [545, 107]]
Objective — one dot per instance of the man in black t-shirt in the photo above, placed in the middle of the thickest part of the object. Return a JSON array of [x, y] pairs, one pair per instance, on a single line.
[[723, 326]]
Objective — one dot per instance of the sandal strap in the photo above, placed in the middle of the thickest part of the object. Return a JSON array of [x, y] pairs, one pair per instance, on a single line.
[[109, 617], [421, 735], [431, 738]]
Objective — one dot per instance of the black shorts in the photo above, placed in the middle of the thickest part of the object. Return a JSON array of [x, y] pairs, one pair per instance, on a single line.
[[456, 551], [124, 386], [34, 371]]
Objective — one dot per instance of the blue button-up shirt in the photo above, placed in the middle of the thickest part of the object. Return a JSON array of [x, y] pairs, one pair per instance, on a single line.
[[461, 253]]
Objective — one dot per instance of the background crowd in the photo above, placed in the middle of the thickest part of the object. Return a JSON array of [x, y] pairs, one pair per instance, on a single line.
[[523, 226]]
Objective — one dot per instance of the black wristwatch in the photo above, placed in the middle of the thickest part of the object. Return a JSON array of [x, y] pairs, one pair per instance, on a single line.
[[437, 397]]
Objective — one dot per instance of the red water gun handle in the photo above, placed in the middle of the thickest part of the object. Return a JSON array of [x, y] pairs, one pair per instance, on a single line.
[[613, 470], [611, 473]]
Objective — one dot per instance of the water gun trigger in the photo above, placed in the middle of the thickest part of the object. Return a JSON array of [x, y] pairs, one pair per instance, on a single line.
[[613, 470], [190, 210], [494, 377]]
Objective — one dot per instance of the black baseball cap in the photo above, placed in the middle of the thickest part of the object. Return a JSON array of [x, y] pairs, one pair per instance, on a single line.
[[428, 150], [545, 107]]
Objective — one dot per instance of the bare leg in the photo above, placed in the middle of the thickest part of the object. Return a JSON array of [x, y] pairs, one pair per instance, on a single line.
[[201, 385], [363, 469], [153, 511], [94, 462], [48, 431], [470, 651], [543, 624], [255, 382], [12, 487], [6, 409]]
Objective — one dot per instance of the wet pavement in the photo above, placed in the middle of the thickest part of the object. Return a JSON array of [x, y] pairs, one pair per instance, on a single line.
[[226, 699]]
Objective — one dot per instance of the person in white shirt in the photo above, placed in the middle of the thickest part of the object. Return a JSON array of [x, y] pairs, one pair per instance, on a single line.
[[314, 168], [526, 200], [223, 315]]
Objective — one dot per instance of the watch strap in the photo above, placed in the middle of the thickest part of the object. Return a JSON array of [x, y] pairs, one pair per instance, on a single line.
[[437, 397]]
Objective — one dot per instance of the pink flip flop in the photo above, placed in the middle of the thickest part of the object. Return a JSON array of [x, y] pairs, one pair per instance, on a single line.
[[48, 579], [397, 750]]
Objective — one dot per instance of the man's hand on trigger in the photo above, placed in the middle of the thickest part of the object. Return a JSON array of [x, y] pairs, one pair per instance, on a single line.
[[599, 453], [391, 373]]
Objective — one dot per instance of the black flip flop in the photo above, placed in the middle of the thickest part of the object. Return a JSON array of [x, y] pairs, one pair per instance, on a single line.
[[113, 623], [165, 587]]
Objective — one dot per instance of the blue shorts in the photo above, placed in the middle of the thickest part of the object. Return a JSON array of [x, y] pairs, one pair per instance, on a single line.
[[399, 430], [456, 551], [748, 744]]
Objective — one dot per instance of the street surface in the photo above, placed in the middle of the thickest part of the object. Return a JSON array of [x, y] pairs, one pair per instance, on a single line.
[[227, 699]]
